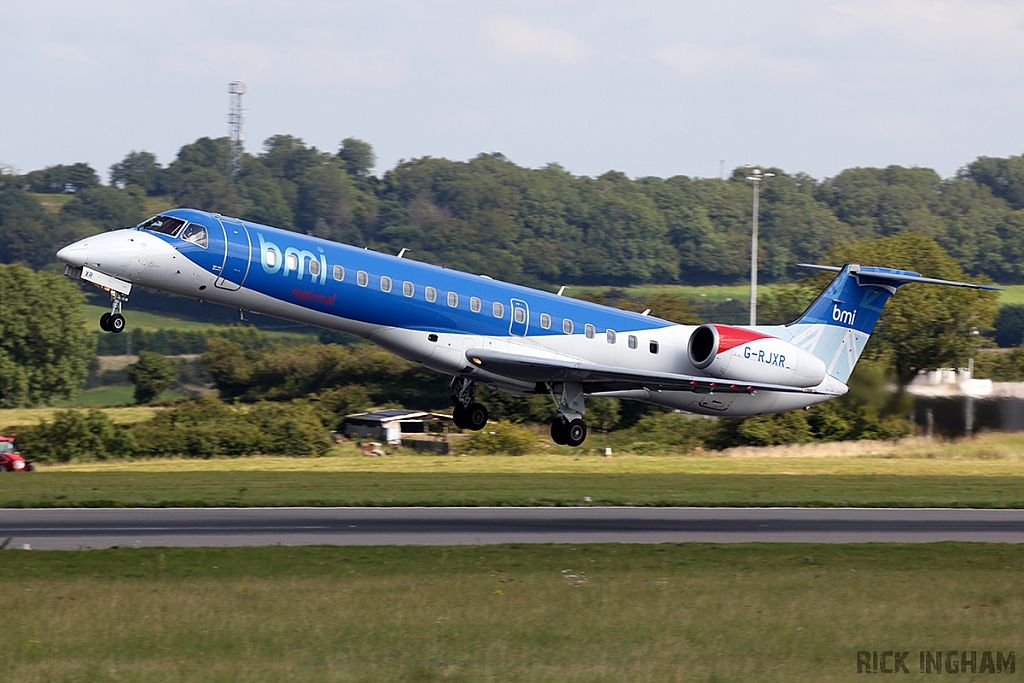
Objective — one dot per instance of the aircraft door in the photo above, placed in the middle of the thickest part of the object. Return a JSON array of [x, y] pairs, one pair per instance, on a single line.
[[237, 252], [520, 318]]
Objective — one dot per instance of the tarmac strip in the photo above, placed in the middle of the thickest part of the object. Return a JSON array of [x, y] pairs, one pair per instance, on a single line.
[[78, 528]]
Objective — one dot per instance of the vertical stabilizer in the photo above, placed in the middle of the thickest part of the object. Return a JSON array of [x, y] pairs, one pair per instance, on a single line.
[[836, 327]]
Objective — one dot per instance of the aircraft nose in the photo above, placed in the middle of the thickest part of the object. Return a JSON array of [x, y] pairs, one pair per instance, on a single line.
[[74, 254]]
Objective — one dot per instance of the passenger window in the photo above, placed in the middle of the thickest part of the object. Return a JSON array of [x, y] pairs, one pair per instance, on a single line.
[[314, 267], [545, 321], [339, 272], [474, 304], [271, 258], [291, 262], [589, 329], [498, 310], [196, 234], [610, 334], [408, 288], [567, 326], [431, 294], [362, 278], [385, 284], [520, 315], [654, 346], [453, 299], [632, 341]]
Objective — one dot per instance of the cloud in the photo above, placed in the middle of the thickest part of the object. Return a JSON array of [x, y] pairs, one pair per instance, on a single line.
[[526, 40], [68, 53], [694, 62], [972, 29]]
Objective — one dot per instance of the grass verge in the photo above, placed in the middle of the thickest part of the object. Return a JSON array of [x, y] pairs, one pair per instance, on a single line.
[[282, 488], [684, 612]]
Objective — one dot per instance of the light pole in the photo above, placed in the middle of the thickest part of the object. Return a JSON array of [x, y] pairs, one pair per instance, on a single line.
[[755, 177]]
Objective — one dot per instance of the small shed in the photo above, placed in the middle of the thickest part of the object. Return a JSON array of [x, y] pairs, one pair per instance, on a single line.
[[392, 424]]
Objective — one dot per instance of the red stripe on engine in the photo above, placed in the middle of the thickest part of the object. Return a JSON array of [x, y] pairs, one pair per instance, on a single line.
[[731, 337]]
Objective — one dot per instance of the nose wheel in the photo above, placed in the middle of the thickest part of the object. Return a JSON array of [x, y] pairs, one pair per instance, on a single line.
[[114, 321]]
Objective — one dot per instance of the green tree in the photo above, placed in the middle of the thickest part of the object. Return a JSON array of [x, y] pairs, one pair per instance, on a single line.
[[45, 343], [107, 207], [139, 168], [358, 156], [61, 178], [151, 375]]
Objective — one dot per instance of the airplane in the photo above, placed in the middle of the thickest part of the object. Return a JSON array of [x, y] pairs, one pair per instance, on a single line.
[[515, 339]]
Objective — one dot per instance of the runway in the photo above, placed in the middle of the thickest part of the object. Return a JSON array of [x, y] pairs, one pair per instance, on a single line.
[[69, 529]]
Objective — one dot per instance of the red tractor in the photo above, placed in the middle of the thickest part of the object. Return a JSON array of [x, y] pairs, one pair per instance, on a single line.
[[10, 459]]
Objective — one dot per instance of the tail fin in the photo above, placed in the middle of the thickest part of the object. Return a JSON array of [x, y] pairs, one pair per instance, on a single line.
[[836, 327]]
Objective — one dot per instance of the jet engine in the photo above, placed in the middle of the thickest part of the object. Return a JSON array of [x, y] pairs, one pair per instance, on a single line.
[[744, 355]]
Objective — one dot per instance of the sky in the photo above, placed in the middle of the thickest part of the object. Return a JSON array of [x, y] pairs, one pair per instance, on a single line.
[[645, 87]]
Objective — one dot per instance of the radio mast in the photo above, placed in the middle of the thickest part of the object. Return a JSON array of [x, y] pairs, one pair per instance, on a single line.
[[235, 135]]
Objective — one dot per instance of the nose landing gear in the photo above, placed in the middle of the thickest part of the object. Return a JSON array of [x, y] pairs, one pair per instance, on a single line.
[[114, 321], [468, 414]]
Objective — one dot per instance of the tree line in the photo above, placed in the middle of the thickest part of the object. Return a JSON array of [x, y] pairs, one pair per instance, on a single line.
[[542, 227]]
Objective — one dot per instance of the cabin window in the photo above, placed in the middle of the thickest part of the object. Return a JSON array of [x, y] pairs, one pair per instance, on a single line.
[[362, 278], [291, 262], [520, 315], [339, 272], [567, 326], [589, 329], [474, 304], [654, 346], [408, 288], [610, 335], [453, 299], [196, 234], [632, 341], [498, 310], [431, 294], [385, 284], [314, 267], [271, 258], [545, 321]]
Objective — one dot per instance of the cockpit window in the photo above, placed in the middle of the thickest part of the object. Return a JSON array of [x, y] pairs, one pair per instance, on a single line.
[[195, 233], [164, 224]]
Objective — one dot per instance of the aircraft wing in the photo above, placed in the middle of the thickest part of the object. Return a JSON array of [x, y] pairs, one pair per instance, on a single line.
[[598, 378]]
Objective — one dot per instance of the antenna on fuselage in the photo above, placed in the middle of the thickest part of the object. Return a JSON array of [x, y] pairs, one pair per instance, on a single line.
[[235, 135], [561, 289], [402, 253]]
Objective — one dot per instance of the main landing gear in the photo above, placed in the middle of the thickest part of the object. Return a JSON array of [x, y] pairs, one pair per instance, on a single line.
[[568, 428], [468, 414], [114, 321]]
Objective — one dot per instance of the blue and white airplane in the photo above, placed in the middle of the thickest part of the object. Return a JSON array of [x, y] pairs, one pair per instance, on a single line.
[[481, 331]]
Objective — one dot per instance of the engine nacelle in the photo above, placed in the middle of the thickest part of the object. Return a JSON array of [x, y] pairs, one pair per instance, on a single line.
[[743, 355]]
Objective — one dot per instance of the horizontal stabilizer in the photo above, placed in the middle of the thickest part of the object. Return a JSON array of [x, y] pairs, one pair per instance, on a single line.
[[892, 275], [599, 378]]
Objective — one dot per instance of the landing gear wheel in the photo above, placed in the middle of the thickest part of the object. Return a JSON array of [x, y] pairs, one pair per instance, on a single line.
[[558, 429], [476, 416], [116, 323], [575, 433], [459, 417], [105, 322]]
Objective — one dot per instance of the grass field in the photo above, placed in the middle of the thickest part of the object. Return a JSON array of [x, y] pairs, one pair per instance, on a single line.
[[310, 488], [986, 471], [1011, 294], [688, 612], [12, 418]]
